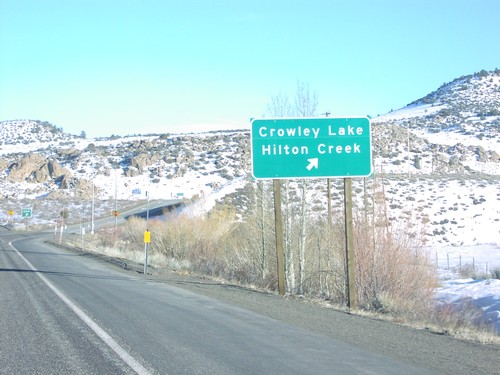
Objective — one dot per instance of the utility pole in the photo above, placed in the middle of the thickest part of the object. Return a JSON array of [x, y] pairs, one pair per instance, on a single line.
[[92, 209], [147, 209], [328, 189], [116, 199], [408, 161]]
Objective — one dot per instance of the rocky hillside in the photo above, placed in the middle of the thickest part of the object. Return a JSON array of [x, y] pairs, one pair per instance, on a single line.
[[448, 138], [455, 129]]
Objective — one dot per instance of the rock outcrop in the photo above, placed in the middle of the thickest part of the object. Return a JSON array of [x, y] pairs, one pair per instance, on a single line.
[[36, 168]]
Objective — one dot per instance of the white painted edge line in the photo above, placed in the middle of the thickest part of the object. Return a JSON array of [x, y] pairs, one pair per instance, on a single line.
[[103, 335]]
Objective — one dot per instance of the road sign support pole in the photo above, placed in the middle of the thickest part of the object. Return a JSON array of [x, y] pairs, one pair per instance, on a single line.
[[147, 240], [349, 241], [62, 228], [278, 222], [146, 246]]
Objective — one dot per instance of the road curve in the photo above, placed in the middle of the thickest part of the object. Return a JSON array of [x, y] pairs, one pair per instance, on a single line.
[[64, 312]]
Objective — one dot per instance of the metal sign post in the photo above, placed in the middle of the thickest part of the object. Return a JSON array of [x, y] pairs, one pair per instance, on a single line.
[[278, 223], [349, 246], [147, 240]]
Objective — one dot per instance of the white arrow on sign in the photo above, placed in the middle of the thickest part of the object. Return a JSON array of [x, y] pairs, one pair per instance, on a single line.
[[313, 163]]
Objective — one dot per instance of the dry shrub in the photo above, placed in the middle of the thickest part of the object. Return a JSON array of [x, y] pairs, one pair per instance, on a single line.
[[325, 262], [108, 236], [244, 260], [217, 245], [394, 274], [196, 239], [463, 319], [495, 274]]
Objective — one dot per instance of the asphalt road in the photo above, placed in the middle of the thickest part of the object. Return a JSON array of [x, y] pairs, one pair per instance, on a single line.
[[150, 209], [64, 312]]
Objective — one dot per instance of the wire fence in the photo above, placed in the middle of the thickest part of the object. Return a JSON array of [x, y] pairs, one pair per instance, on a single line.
[[460, 263]]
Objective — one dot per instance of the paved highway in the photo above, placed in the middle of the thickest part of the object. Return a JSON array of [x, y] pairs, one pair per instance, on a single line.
[[66, 313], [153, 208]]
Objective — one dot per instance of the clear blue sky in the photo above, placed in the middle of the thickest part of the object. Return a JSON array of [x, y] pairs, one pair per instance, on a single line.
[[138, 66]]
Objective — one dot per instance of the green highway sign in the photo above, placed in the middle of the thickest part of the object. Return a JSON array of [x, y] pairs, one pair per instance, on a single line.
[[26, 212], [311, 147]]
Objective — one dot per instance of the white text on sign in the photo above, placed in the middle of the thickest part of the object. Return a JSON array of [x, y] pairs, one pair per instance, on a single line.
[[299, 131]]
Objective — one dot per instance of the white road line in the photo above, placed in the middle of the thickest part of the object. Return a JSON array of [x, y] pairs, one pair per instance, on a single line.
[[103, 335]]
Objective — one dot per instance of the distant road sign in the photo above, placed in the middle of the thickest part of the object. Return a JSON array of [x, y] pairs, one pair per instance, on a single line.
[[136, 191], [26, 212], [10, 212], [311, 147]]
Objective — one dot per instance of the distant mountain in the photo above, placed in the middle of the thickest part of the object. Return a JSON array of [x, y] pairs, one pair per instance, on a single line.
[[453, 129], [14, 132], [477, 94], [469, 103]]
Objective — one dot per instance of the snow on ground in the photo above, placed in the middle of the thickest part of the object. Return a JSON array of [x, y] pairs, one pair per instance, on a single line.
[[482, 292], [411, 111], [206, 203], [473, 232], [453, 138]]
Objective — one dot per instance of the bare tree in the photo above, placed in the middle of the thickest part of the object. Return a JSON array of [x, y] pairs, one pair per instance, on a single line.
[[305, 105], [306, 102], [302, 237], [279, 106]]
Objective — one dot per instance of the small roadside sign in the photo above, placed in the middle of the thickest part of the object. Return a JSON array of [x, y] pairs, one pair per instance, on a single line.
[[10, 212], [147, 236], [26, 212]]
